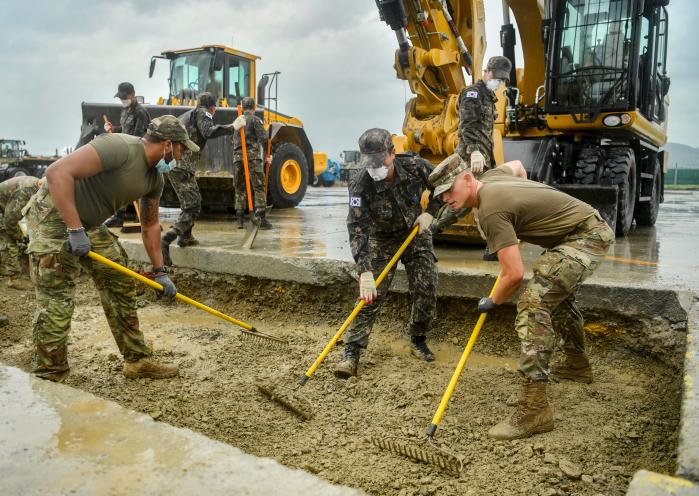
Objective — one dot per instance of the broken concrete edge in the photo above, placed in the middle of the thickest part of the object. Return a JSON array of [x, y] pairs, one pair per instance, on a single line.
[[688, 446], [645, 483], [627, 300]]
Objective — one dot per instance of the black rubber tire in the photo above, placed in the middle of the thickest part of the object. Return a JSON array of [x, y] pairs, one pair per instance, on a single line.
[[647, 212], [17, 172], [620, 169], [278, 196], [588, 164]]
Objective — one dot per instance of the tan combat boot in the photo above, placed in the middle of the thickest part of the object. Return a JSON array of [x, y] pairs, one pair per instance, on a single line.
[[147, 367], [533, 415], [575, 367]]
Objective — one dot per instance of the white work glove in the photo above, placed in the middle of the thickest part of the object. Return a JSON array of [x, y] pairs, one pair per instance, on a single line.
[[239, 122], [425, 221], [477, 162], [367, 287], [108, 127]]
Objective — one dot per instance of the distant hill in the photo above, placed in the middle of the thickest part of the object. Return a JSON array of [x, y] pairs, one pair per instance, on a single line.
[[686, 157]]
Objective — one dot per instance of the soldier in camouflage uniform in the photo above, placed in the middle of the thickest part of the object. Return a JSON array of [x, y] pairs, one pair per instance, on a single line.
[[384, 199], [14, 195], [200, 126], [134, 121], [576, 239], [66, 223], [477, 115], [256, 144]]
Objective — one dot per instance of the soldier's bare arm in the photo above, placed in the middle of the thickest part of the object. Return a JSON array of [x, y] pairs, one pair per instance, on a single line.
[[61, 177], [150, 230], [517, 168], [511, 275]]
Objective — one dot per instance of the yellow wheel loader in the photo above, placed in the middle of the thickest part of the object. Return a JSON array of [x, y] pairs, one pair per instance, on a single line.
[[229, 75]]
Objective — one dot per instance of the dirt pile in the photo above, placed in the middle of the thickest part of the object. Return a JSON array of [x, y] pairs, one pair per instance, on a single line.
[[626, 420]]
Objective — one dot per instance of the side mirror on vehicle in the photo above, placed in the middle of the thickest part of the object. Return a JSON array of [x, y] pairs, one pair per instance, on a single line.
[[665, 84], [152, 67]]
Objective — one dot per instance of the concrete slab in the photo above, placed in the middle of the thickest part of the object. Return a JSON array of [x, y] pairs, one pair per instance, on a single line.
[[56, 440], [688, 448], [646, 483]]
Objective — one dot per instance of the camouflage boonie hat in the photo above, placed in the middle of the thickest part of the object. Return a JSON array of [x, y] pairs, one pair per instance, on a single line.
[[374, 144], [168, 127], [501, 67], [444, 175]]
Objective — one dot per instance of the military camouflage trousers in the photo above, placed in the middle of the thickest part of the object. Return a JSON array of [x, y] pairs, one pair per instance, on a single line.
[[420, 268], [184, 182], [257, 184], [546, 309], [10, 255], [55, 271]]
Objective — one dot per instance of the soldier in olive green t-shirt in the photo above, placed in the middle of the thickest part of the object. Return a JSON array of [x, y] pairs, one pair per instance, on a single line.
[[511, 208], [65, 220]]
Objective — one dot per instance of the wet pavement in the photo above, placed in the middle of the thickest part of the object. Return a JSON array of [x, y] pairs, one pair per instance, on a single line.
[[663, 256], [58, 440]]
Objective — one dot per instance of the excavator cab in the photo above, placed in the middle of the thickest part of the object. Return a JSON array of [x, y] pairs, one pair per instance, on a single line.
[[608, 55]]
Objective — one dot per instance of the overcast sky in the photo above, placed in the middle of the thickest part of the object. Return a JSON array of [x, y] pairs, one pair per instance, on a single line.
[[335, 57]]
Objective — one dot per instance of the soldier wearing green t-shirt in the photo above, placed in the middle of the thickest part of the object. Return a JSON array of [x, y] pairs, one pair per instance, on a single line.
[[509, 207], [65, 220]]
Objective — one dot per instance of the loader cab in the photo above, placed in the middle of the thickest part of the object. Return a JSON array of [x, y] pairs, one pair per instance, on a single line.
[[224, 72], [608, 55], [12, 148]]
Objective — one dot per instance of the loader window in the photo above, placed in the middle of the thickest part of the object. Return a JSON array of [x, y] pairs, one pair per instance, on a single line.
[[592, 60], [238, 72], [189, 74]]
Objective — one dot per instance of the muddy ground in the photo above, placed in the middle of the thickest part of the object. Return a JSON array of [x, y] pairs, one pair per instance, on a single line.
[[626, 420]]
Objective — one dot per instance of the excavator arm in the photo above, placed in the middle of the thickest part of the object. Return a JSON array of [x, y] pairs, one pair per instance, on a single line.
[[441, 46]]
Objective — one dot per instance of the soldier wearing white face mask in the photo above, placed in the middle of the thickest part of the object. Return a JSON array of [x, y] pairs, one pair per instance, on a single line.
[[133, 121], [476, 118], [384, 205]]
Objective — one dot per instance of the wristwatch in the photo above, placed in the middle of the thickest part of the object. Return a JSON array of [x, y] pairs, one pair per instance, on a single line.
[[160, 270]]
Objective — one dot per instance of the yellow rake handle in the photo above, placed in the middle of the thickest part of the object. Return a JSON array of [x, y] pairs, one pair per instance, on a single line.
[[357, 309], [459, 368], [159, 287]]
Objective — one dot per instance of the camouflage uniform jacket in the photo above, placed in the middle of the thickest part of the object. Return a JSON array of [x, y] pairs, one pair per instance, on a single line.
[[476, 117], [17, 190], [134, 120], [255, 135], [383, 210]]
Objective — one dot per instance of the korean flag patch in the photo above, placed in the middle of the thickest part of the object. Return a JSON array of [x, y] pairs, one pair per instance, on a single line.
[[355, 201], [471, 94]]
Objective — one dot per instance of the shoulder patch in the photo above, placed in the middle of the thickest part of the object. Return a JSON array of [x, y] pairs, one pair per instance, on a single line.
[[471, 94], [208, 115], [355, 201]]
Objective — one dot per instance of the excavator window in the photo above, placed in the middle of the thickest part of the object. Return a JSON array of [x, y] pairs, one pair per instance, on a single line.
[[591, 62]]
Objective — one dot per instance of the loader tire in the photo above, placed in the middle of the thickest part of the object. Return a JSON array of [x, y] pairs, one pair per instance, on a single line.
[[620, 169], [647, 212], [288, 176], [588, 165]]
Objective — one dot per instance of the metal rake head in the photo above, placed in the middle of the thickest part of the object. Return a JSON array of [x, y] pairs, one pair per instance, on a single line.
[[288, 398], [265, 340], [424, 451]]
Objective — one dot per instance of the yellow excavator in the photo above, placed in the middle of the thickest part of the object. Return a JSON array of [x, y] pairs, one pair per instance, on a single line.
[[586, 112], [230, 75]]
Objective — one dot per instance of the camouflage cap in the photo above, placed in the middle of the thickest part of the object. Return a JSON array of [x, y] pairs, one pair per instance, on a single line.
[[444, 175], [168, 127], [501, 67], [247, 103], [374, 144]]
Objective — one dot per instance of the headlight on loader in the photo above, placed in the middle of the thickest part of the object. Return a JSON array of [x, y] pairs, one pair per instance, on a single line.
[[612, 121]]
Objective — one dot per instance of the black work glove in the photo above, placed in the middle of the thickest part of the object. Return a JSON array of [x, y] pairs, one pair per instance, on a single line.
[[169, 288], [78, 242], [486, 304]]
